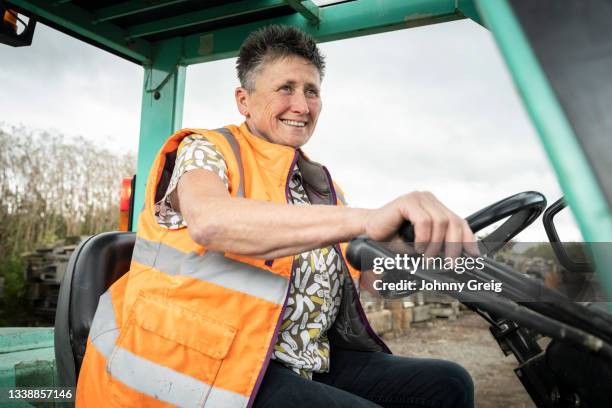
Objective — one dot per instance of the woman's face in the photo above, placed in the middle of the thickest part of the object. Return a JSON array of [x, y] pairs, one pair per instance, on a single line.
[[285, 104]]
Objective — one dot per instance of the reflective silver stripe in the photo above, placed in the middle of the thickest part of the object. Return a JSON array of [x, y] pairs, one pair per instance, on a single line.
[[222, 398], [145, 251], [104, 330], [212, 267], [159, 256], [236, 149], [215, 268], [157, 381]]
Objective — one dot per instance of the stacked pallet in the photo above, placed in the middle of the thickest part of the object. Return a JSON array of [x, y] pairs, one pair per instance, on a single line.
[[420, 310], [388, 318], [441, 305], [401, 316], [393, 318], [45, 268]]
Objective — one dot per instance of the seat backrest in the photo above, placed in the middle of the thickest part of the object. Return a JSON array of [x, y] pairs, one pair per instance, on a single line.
[[93, 267]]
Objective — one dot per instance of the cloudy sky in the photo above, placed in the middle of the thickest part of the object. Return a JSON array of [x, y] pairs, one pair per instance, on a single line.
[[430, 108]]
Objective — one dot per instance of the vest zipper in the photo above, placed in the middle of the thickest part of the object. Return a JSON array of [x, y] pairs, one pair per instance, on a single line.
[[264, 368]]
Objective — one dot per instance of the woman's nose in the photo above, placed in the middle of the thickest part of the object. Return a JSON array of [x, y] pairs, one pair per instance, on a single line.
[[299, 103]]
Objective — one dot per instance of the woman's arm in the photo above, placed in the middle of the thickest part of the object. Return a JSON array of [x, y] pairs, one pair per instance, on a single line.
[[268, 230]]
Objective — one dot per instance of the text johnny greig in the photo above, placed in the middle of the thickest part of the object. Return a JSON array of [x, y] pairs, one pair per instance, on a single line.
[[412, 263]]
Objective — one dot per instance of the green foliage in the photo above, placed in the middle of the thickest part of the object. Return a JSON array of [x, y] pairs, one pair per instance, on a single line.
[[14, 284], [543, 250], [575, 250], [15, 289]]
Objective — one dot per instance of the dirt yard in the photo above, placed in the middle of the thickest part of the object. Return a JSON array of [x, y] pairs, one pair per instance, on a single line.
[[468, 342]]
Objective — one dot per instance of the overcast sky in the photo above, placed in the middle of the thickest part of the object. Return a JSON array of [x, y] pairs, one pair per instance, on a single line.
[[430, 108]]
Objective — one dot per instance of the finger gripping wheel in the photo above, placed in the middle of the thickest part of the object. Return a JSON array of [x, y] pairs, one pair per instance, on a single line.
[[522, 209]]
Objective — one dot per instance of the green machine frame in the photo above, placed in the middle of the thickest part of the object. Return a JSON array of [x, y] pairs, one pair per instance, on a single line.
[[167, 44]]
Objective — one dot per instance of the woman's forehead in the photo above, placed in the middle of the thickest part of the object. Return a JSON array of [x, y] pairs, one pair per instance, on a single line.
[[291, 68]]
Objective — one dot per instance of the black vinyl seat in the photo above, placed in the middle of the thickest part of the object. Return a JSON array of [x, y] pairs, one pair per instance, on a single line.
[[93, 267]]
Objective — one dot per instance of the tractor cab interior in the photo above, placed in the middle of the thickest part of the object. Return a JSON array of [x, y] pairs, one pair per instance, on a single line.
[[565, 87]]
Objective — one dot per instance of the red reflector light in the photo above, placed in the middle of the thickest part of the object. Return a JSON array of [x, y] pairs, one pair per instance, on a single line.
[[126, 194], [124, 204]]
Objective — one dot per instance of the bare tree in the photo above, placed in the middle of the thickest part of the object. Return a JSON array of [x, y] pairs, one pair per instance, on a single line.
[[51, 187]]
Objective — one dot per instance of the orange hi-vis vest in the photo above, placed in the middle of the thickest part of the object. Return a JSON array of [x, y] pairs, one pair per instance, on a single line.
[[189, 327]]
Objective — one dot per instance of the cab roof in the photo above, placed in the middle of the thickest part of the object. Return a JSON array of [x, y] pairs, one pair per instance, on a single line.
[[214, 29]]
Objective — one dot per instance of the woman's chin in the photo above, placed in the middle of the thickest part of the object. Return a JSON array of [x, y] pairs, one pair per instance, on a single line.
[[297, 138]]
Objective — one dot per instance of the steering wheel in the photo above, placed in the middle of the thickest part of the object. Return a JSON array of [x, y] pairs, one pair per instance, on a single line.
[[522, 209], [549, 313]]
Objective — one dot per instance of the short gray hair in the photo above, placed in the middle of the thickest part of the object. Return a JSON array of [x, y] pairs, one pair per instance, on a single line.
[[271, 43]]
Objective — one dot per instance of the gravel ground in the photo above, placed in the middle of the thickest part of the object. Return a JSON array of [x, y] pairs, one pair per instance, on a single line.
[[468, 342]]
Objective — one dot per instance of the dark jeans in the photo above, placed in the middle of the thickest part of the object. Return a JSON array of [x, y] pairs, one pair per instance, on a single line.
[[360, 379]]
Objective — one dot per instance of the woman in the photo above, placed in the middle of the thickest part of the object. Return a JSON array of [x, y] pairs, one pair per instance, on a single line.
[[238, 292]]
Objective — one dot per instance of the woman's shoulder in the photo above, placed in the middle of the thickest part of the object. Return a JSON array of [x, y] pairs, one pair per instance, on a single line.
[[198, 142]]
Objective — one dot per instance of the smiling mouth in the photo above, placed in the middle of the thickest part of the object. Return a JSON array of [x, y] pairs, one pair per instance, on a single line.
[[294, 123]]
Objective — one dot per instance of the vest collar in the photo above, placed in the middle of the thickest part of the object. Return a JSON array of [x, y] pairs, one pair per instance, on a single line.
[[278, 161], [267, 150]]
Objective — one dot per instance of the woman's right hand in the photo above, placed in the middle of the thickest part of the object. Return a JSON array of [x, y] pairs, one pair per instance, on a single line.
[[435, 226]]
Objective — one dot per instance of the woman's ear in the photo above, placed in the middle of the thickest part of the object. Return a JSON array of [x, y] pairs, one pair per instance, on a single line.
[[242, 101]]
